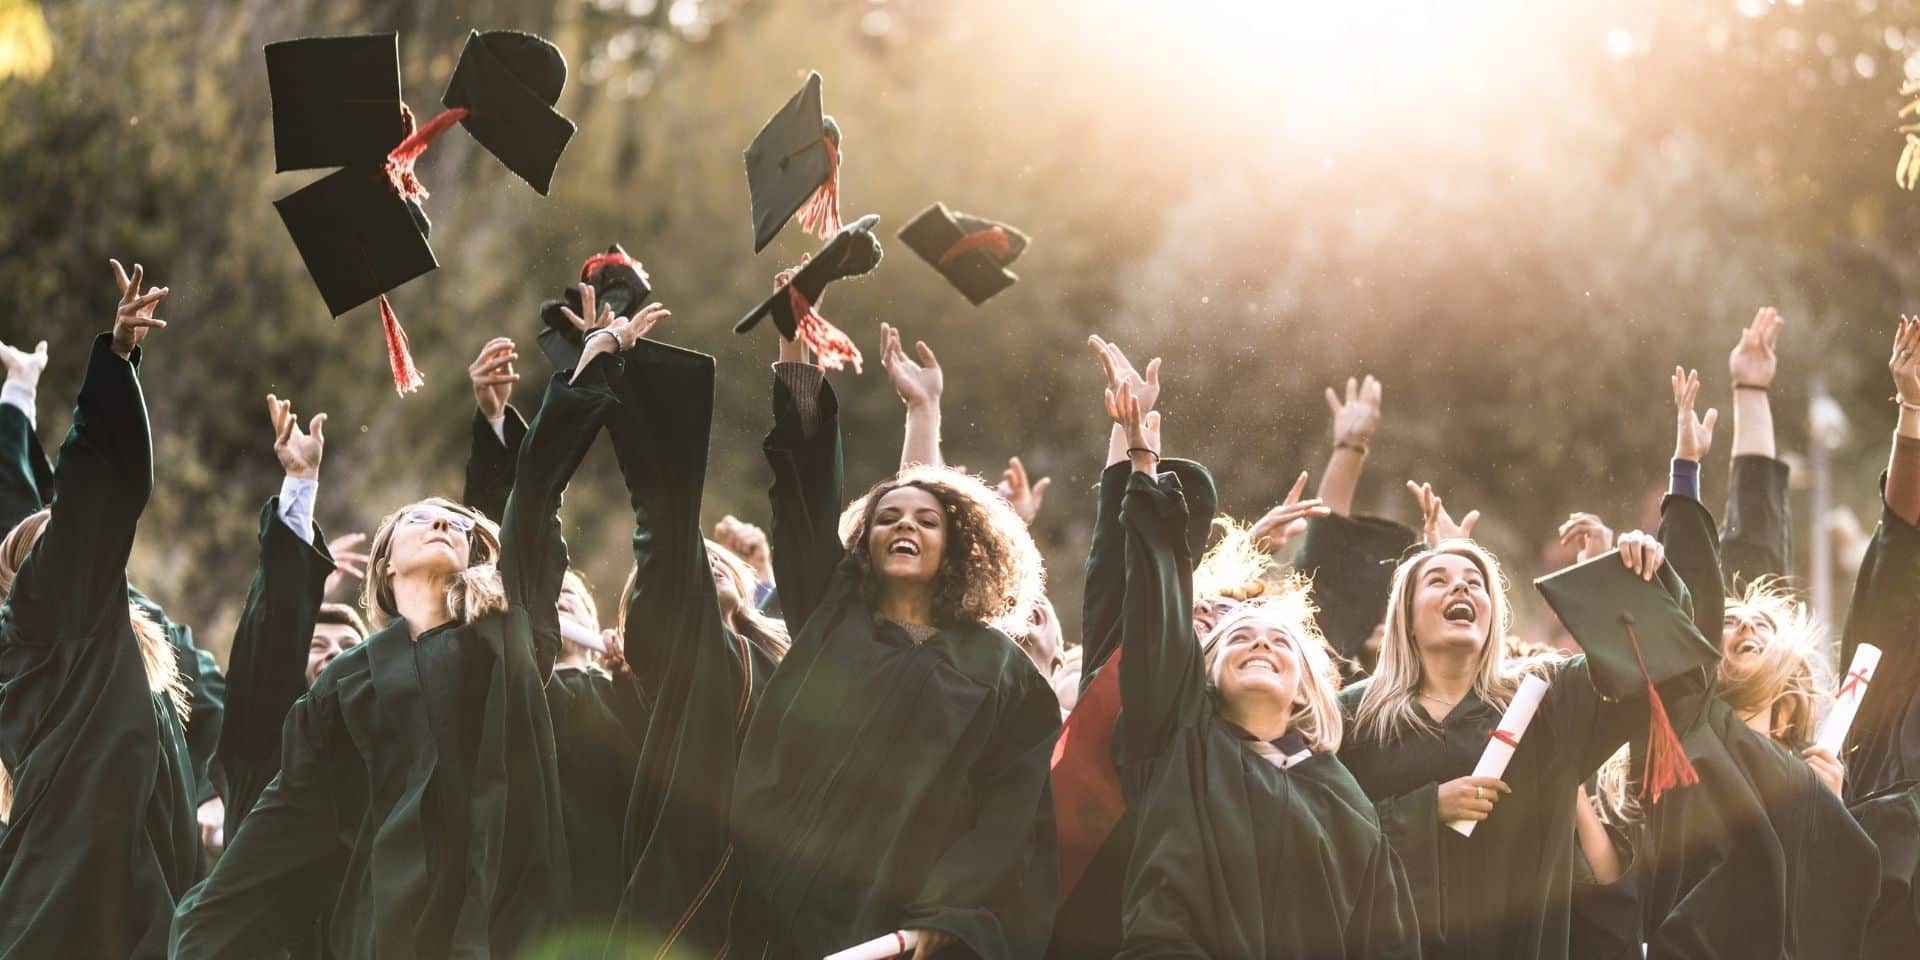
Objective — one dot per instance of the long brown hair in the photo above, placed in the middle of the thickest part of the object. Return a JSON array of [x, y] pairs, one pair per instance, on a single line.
[[474, 592]]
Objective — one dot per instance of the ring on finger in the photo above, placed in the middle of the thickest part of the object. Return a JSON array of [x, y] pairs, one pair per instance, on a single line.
[[1479, 794]]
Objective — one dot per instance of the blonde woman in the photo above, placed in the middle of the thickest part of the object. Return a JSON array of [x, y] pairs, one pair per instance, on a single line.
[[95, 777], [1229, 763], [418, 804], [1417, 727]]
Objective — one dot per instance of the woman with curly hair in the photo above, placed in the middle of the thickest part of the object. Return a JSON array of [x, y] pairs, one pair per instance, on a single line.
[[894, 774]]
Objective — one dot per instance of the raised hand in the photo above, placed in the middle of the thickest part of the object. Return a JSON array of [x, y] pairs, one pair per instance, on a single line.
[[919, 384], [134, 316], [348, 560], [1127, 412], [614, 333], [1436, 523], [1693, 436], [299, 452], [1356, 417], [1288, 520], [1027, 497], [1752, 361], [23, 367], [1905, 363], [1642, 553], [1120, 372], [493, 377], [748, 542], [1587, 534]]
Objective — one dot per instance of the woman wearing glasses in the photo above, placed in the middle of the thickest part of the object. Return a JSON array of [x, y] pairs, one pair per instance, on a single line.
[[418, 804]]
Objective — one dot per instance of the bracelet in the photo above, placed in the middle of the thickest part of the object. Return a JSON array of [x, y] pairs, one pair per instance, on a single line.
[[1915, 407], [1359, 448], [600, 330], [1751, 386], [1146, 450]]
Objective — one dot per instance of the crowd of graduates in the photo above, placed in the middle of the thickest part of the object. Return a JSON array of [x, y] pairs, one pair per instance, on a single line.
[[862, 728]]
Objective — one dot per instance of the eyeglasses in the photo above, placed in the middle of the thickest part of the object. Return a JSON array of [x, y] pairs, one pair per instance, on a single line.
[[423, 516]]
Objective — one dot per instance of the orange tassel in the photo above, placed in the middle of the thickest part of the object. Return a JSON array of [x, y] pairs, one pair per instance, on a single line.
[[1667, 765], [406, 377], [993, 240], [821, 215], [830, 344], [401, 159]]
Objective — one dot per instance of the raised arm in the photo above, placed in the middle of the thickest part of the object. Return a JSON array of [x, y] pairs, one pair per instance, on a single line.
[[1354, 420], [1686, 528], [1106, 572], [803, 448], [498, 429], [26, 480], [919, 385], [267, 663], [1756, 534]]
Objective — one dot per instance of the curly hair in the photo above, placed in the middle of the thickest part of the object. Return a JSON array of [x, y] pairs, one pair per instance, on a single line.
[[990, 571]]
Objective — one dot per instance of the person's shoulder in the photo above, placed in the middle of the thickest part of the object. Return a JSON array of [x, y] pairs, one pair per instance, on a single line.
[[1350, 695]]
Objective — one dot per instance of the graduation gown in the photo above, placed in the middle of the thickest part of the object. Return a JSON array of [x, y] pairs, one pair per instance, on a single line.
[[886, 784], [1235, 855], [1756, 538], [491, 464], [1605, 917], [102, 837], [26, 479], [703, 680], [418, 805]]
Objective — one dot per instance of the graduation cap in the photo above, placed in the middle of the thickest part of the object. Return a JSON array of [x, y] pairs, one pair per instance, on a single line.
[[971, 253], [619, 282], [361, 231], [793, 166], [852, 252], [1636, 634], [508, 82], [1351, 561]]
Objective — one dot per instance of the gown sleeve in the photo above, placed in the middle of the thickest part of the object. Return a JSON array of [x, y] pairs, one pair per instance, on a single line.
[[268, 659], [23, 490], [1883, 745], [1756, 539], [803, 448], [1163, 688], [491, 463], [533, 553], [1106, 574]]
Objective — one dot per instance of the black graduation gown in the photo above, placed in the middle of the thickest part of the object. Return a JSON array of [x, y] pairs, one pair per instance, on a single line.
[[102, 838], [418, 805], [885, 784], [1235, 856], [206, 690], [703, 681], [1605, 917], [1756, 538], [26, 479], [491, 464]]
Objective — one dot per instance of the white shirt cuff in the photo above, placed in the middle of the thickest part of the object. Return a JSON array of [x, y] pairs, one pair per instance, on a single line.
[[296, 505], [499, 425], [19, 395]]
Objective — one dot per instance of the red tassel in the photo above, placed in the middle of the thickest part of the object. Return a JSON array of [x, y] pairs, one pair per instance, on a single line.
[[614, 258], [993, 240], [401, 159], [821, 215], [830, 344], [406, 377], [1667, 765]]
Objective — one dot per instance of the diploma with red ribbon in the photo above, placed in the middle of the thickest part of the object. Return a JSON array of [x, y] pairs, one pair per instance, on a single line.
[[894, 944], [1846, 700], [1506, 738]]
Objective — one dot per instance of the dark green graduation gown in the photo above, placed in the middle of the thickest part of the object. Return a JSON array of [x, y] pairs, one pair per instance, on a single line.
[[702, 680], [206, 694], [418, 806], [491, 463], [1756, 538], [1604, 921], [102, 838], [26, 479], [1235, 856], [884, 784]]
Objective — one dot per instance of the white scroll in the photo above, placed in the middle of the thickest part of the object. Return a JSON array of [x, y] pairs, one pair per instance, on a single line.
[[1506, 738], [1846, 700], [897, 943]]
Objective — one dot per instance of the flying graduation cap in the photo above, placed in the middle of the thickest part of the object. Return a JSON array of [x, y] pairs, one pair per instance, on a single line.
[[852, 252], [972, 253], [361, 230], [793, 166], [619, 283]]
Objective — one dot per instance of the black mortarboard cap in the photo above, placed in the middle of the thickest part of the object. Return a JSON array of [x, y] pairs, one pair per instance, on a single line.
[[358, 238], [1600, 599], [852, 252], [970, 252], [1351, 561], [788, 161], [508, 82], [336, 100], [618, 281]]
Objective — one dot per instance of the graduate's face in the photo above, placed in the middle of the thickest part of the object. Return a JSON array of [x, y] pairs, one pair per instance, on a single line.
[[908, 536], [573, 609], [329, 640], [1206, 614], [1042, 639], [1260, 659], [724, 589], [1744, 635], [429, 540], [1452, 609]]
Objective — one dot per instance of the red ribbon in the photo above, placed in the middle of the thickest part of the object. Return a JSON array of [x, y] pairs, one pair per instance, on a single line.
[[1505, 736], [400, 161], [1856, 679], [406, 377], [900, 938], [830, 344], [992, 239], [821, 214], [614, 258]]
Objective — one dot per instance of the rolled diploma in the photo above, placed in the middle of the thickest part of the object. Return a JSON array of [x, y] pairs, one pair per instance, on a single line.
[[1493, 761], [893, 944], [576, 633], [1846, 701]]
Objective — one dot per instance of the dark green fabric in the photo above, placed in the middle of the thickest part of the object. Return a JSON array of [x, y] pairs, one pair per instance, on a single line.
[[491, 464], [102, 837], [886, 784], [1892, 820], [1235, 857], [1883, 746], [598, 722], [1351, 561], [206, 693], [349, 827], [25, 478], [702, 679], [1756, 539], [1605, 916]]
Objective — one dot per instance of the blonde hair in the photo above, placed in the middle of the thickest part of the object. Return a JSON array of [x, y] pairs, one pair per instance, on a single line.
[[1387, 708], [767, 633], [1782, 678], [1234, 568], [1290, 610], [475, 591], [157, 656]]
